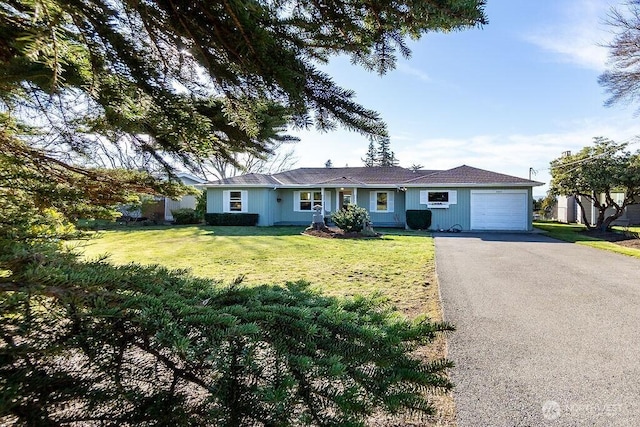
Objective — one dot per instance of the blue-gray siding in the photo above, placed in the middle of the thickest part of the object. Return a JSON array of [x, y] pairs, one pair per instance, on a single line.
[[459, 213], [276, 206], [445, 218], [259, 200]]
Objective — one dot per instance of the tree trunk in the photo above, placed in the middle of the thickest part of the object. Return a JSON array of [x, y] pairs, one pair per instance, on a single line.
[[607, 222], [601, 211], [584, 215]]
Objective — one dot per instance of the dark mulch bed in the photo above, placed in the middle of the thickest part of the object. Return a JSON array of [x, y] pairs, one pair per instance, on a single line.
[[629, 240], [336, 233]]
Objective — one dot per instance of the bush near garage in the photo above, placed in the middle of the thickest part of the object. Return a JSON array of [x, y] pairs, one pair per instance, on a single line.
[[418, 219]]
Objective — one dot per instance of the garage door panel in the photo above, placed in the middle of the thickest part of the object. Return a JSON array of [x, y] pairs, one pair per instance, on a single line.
[[499, 211]]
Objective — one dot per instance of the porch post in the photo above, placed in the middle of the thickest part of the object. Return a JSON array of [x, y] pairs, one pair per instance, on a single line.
[[323, 205], [355, 196]]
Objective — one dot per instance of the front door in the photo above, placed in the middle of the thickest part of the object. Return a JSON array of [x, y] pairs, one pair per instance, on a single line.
[[345, 198]]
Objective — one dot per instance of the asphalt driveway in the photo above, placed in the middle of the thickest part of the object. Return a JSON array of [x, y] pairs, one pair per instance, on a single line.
[[548, 332]]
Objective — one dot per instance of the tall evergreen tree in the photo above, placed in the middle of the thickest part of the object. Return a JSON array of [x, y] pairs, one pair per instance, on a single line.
[[181, 81], [371, 156], [385, 157], [189, 79]]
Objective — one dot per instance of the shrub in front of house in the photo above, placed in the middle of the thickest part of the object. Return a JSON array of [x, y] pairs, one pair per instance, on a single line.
[[186, 216], [201, 204], [351, 219], [418, 219], [238, 219]]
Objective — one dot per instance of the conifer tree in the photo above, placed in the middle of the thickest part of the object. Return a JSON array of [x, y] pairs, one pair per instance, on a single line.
[[371, 156], [191, 80], [385, 157], [181, 81]]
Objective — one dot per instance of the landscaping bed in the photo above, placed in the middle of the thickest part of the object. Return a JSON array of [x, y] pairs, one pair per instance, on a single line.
[[337, 233], [619, 237], [621, 240], [629, 242]]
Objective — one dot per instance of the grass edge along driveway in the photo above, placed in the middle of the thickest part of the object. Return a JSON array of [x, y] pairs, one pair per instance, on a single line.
[[572, 233]]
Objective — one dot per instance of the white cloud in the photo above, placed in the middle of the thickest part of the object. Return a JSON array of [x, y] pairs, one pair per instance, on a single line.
[[412, 71], [580, 36], [513, 154]]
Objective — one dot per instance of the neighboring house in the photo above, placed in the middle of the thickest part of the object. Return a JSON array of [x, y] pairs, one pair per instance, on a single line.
[[159, 208], [569, 210], [186, 201], [467, 197], [566, 209]]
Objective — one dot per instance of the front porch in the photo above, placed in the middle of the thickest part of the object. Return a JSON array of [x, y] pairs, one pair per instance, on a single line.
[[386, 206]]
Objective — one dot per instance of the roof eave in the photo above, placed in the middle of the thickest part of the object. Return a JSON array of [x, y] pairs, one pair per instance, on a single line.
[[399, 185], [474, 184], [214, 185]]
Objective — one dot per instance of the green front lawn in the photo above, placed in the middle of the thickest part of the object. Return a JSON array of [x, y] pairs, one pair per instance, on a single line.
[[400, 265], [572, 233]]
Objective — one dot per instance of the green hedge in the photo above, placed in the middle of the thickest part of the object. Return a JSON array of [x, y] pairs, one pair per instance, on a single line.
[[246, 219], [419, 219], [186, 216]]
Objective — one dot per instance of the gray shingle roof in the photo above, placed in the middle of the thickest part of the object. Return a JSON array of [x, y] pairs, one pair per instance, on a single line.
[[249, 179], [363, 176], [469, 175]]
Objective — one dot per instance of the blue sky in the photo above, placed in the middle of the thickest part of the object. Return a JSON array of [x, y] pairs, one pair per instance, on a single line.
[[507, 97]]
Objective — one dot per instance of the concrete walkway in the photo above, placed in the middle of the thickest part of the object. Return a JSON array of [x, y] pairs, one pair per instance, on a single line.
[[548, 333]]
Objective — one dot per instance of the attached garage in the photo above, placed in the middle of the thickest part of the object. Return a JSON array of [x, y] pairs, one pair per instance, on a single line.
[[499, 210]]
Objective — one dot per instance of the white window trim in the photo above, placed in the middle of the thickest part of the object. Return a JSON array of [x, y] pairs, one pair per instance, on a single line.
[[226, 201], [296, 200], [327, 200], [424, 198], [373, 202]]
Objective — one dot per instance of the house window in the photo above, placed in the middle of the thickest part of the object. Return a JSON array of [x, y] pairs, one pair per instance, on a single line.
[[381, 201], [306, 200], [235, 201], [438, 197]]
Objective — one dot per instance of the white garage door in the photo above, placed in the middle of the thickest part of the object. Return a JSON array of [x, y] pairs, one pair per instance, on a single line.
[[499, 210]]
